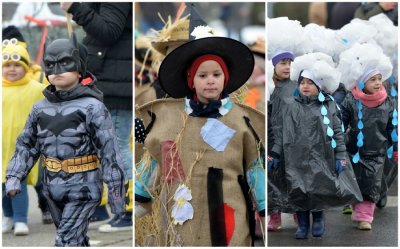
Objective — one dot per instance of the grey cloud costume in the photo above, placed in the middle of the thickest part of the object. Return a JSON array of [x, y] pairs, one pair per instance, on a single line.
[[65, 125]]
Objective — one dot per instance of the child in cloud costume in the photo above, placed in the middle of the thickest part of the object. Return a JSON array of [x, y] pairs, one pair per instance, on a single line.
[[310, 135], [72, 130], [371, 116], [202, 154]]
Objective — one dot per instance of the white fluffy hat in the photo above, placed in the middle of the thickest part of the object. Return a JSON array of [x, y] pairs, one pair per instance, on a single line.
[[270, 81], [284, 34], [319, 68], [320, 39], [359, 59]]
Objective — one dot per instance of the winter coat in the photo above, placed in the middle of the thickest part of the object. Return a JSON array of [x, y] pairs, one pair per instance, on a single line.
[[66, 125], [108, 28], [283, 89], [367, 10], [178, 153], [308, 180], [377, 139]]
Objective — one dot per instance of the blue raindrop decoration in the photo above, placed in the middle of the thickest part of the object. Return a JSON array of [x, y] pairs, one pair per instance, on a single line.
[[326, 121], [395, 122], [394, 136], [360, 136], [360, 126], [321, 97], [390, 152], [392, 81], [356, 157], [361, 85], [324, 111], [329, 131], [333, 143]]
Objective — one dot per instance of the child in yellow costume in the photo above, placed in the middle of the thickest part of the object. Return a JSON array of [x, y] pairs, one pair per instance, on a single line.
[[13, 35], [19, 93]]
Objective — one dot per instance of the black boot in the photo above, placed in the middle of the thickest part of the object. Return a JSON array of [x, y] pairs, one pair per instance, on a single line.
[[318, 226], [303, 218], [382, 201]]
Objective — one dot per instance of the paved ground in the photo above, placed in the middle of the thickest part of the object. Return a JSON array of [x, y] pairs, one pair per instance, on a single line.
[[43, 235], [341, 231]]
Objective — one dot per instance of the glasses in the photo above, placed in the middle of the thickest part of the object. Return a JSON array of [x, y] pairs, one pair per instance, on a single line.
[[14, 57], [12, 41]]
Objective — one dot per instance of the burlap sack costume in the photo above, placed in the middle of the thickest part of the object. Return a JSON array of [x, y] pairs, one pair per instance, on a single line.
[[172, 124], [191, 184]]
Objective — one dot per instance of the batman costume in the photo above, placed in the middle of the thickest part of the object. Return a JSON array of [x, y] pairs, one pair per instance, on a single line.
[[73, 132]]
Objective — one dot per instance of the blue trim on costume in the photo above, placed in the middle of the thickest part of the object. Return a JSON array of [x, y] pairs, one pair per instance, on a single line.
[[256, 181], [143, 176]]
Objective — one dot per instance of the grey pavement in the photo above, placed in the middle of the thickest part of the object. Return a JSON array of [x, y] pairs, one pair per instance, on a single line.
[[341, 231], [43, 235]]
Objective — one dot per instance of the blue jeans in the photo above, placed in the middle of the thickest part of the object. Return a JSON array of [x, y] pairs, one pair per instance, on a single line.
[[16, 207], [122, 121]]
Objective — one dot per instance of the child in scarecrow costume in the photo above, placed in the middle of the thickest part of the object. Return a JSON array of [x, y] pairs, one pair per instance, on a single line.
[[72, 130], [203, 150], [315, 176], [150, 51], [371, 116]]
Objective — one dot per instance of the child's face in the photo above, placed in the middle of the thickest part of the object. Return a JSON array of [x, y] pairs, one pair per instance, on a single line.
[[209, 81], [13, 71], [373, 84], [64, 81], [308, 88], [282, 69]]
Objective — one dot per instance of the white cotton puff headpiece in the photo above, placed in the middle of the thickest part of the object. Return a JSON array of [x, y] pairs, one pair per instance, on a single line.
[[270, 81], [358, 31], [322, 67], [284, 34], [360, 58], [386, 37], [320, 39]]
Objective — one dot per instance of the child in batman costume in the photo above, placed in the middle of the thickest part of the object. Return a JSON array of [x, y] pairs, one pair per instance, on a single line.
[[72, 130]]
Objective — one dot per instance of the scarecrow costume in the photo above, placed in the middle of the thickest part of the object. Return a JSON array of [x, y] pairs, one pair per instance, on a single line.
[[204, 166], [72, 131]]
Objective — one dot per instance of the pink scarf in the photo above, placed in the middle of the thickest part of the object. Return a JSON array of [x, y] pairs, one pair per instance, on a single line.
[[370, 100]]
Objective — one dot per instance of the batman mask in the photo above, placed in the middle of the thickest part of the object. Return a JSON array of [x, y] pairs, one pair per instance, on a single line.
[[64, 55]]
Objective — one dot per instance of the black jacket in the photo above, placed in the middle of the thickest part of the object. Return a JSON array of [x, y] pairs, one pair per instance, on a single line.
[[308, 180], [108, 28], [377, 139]]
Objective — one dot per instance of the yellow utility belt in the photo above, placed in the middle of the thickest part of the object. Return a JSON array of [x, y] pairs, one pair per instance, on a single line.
[[72, 165]]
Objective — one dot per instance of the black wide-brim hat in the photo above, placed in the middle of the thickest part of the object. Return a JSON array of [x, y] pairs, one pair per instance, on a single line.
[[237, 57]]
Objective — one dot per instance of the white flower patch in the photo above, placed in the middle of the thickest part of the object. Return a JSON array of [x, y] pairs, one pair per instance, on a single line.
[[202, 32], [182, 210]]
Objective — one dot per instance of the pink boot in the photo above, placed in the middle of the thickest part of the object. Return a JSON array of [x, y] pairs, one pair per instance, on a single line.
[[295, 219], [275, 222]]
